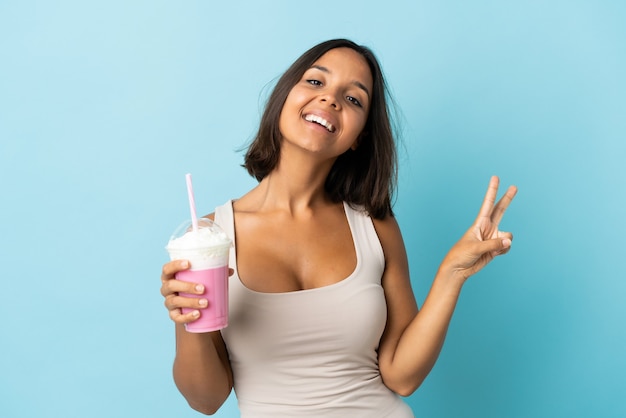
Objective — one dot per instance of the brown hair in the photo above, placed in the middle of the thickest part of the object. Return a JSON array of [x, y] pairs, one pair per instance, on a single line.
[[363, 177]]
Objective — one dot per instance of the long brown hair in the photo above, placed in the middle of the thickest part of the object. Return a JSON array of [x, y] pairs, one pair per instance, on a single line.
[[363, 177]]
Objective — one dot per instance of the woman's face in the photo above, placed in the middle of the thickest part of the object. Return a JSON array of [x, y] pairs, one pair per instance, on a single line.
[[326, 111]]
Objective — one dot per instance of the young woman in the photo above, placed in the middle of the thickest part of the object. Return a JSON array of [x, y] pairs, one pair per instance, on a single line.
[[323, 320]]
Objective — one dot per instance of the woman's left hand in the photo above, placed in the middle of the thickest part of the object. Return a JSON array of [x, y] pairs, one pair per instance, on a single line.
[[483, 240]]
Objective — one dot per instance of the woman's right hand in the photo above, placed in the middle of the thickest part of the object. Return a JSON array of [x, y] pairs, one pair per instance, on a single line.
[[170, 288], [201, 370]]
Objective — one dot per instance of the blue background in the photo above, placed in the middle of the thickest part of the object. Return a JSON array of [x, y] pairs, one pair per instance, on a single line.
[[105, 105]]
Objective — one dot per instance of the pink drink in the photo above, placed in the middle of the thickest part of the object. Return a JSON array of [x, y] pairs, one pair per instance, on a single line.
[[207, 249], [215, 280]]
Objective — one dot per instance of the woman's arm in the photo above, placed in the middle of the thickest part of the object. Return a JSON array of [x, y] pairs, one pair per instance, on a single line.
[[412, 341], [202, 370]]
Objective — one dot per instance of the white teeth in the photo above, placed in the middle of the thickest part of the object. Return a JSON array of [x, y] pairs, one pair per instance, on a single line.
[[321, 121]]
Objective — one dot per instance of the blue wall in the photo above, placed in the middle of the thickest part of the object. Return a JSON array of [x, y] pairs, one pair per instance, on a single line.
[[104, 106]]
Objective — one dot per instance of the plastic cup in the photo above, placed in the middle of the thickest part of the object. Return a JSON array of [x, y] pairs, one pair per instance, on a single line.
[[207, 250]]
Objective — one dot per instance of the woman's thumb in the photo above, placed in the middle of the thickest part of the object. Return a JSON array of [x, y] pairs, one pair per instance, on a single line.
[[495, 245]]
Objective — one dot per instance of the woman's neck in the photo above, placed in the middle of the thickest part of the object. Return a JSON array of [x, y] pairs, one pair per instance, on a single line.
[[296, 185]]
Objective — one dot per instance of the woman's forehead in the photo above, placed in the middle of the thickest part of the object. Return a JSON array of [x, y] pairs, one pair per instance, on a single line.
[[348, 63]]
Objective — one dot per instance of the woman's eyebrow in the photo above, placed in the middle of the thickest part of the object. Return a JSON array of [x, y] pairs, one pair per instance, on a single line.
[[355, 82]]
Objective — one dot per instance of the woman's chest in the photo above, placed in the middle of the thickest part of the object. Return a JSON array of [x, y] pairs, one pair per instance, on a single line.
[[286, 256]]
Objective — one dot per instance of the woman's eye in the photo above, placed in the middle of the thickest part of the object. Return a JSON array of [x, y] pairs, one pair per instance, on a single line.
[[314, 82], [355, 101]]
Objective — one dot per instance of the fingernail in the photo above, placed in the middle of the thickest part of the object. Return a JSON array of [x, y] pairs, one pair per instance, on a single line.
[[184, 264], [203, 302], [195, 314], [199, 288], [506, 242]]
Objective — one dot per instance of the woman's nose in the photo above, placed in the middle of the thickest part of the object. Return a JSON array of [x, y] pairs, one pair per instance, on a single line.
[[331, 100]]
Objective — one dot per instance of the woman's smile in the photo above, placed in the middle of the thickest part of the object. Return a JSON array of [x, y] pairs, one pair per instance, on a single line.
[[321, 121]]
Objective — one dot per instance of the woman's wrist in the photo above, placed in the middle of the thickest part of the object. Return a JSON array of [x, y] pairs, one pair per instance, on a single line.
[[449, 278]]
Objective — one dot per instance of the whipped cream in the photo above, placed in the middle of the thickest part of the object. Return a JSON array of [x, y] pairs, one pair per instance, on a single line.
[[202, 238], [205, 248]]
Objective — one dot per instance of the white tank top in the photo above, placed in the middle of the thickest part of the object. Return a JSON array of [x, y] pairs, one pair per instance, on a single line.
[[312, 353]]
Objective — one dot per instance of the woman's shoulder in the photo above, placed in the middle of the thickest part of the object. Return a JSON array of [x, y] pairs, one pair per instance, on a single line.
[[389, 234], [360, 210], [247, 202]]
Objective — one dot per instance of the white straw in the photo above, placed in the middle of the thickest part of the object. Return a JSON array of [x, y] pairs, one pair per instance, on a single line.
[[192, 203]]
